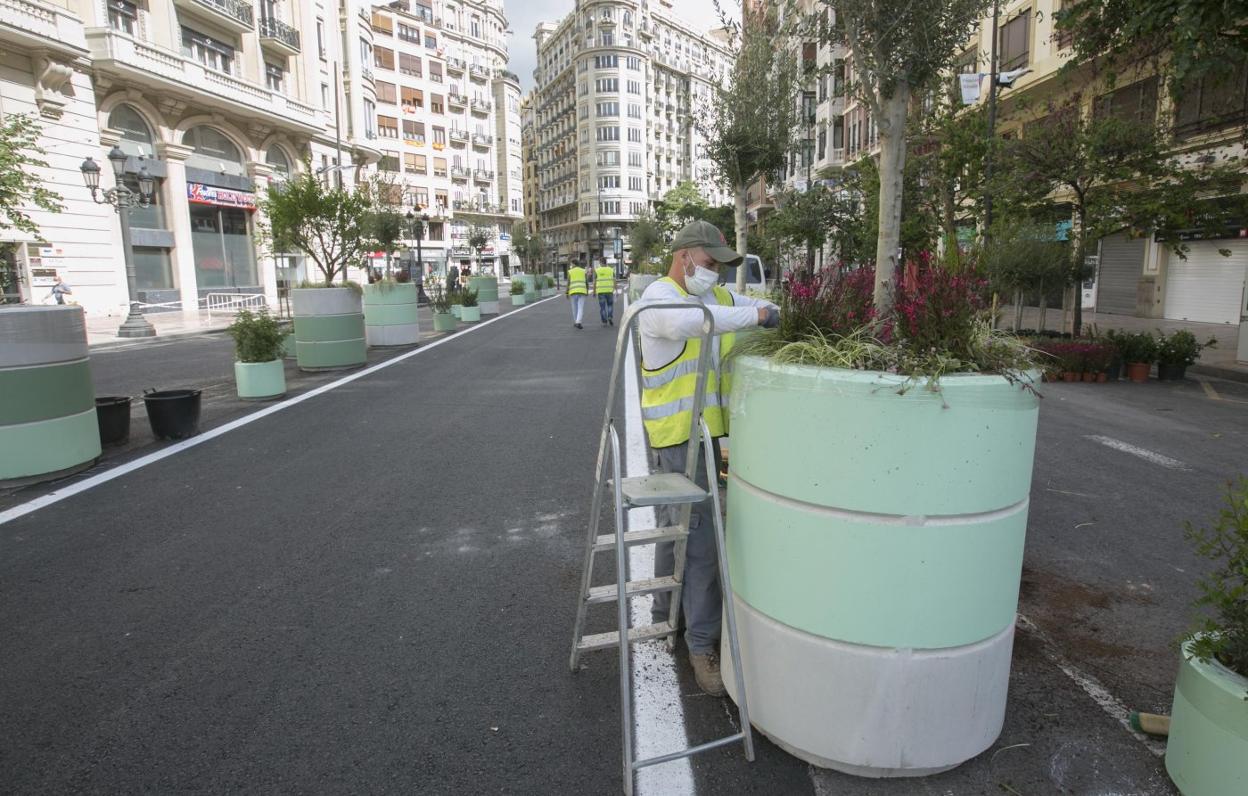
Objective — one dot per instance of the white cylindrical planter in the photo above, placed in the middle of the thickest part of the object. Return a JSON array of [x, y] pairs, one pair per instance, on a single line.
[[329, 328], [391, 315], [487, 294], [48, 423], [875, 542]]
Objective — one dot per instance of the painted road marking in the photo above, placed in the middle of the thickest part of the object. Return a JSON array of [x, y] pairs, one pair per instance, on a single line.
[[1214, 395], [1143, 453], [659, 714], [1091, 686], [56, 496]]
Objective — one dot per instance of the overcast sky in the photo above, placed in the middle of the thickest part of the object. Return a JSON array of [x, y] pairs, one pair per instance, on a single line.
[[525, 14]]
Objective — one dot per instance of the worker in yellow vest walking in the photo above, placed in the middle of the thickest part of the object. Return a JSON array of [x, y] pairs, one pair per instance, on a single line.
[[669, 351], [578, 289], [604, 288]]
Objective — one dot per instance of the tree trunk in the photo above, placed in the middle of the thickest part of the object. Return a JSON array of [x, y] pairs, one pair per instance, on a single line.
[[1018, 309], [949, 218], [1044, 306], [1080, 243], [739, 217], [892, 167]]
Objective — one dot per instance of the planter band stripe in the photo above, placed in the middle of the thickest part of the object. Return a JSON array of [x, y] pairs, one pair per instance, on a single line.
[[676, 407], [49, 446], [28, 394]]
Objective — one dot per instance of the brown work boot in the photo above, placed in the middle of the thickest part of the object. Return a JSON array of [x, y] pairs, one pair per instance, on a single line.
[[706, 672]]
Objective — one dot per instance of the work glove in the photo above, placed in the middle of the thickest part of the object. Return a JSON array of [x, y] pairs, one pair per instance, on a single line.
[[772, 320]]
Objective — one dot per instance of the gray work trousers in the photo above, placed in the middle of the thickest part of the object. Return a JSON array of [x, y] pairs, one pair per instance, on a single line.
[[701, 600]]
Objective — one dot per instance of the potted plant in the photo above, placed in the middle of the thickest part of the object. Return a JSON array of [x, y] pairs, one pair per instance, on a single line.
[[1112, 340], [470, 311], [456, 296], [443, 319], [880, 557], [391, 314], [1177, 350], [1139, 351], [487, 293], [1207, 754], [329, 326], [259, 372], [517, 293], [1098, 358], [548, 283], [48, 420]]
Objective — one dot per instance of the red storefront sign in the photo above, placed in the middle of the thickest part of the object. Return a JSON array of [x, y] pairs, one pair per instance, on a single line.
[[221, 197]]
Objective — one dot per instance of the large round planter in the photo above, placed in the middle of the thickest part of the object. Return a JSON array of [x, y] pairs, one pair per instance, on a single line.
[[112, 412], [260, 381], [875, 543], [457, 310], [1207, 754], [173, 414], [48, 422], [470, 314], [289, 347], [1171, 372], [517, 300], [637, 284], [329, 328], [444, 322], [1138, 371], [528, 280], [391, 316], [487, 294]]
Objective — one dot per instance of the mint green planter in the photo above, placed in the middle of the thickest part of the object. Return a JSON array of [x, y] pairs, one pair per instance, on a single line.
[[457, 310], [470, 314], [637, 284], [1207, 754], [329, 328], [444, 322], [487, 294], [517, 300], [528, 280], [876, 543], [48, 423], [391, 316], [260, 381], [289, 348]]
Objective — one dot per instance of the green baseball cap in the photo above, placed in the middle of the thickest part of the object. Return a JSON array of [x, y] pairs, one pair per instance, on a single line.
[[706, 236]]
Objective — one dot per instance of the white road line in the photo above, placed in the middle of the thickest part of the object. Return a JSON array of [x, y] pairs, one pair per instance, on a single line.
[[56, 496], [1143, 453], [1091, 686], [660, 716]]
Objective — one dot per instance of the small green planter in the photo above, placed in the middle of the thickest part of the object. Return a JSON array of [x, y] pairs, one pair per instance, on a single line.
[[517, 300], [260, 381], [1207, 754], [444, 322], [470, 314], [457, 310]]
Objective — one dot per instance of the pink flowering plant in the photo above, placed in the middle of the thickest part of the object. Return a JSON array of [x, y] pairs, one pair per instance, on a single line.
[[939, 324]]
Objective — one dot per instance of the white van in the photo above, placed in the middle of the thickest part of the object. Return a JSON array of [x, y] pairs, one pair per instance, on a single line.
[[757, 277]]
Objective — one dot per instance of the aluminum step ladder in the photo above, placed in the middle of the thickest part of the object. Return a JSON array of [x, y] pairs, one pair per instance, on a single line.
[[658, 489]]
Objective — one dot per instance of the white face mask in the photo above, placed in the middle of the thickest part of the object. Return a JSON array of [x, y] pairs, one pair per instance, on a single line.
[[700, 282]]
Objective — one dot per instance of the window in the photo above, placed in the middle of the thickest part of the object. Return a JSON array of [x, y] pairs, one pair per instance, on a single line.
[[370, 110], [607, 85], [634, 87], [634, 159], [608, 38], [274, 76], [439, 136], [320, 38], [388, 126], [435, 71], [634, 110], [414, 131], [608, 109], [436, 103], [439, 167], [609, 208], [823, 143], [1212, 102], [213, 151], [1134, 103], [635, 184], [409, 65], [216, 55], [633, 63], [366, 52], [383, 58], [136, 135], [838, 132], [1014, 42], [412, 99], [383, 24], [606, 61], [123, 16], [415, 164], [609, 157], [325, 96], [475, 27], [609, 182], [634, 135], [1064, 36], [421, 198], [386, 92], [431, 41], [409, 34], [389, 161], [611, 133]]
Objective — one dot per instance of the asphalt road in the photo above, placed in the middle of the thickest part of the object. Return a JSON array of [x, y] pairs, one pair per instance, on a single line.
[[373, 591]]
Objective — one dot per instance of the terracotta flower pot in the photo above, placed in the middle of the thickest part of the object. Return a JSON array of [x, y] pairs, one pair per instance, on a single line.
[[1102, 377], [1089, 376], [1138, 371], [1070, 376]]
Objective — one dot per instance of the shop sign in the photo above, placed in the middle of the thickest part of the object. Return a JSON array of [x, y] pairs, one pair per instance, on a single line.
[[202, 194]]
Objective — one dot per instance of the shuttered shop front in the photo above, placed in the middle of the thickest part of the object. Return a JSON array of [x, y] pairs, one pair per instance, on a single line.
[[1118, 279], [1207, 287]]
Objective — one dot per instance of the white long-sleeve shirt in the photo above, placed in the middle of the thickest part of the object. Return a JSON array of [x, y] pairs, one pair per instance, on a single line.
[[664, 332]]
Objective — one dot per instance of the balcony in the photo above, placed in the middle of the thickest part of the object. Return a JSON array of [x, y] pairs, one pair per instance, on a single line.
[[481, 106], [456, 66], [479, 72], [456, 101], [148, 68], [458, 135], [459, 173], [234, 15], [464, 204], [481, 175], [482, 140], [278, 36]]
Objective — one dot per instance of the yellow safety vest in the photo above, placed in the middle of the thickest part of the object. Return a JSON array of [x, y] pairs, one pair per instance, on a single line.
[[604, 280], [667, 391], [576, 281]]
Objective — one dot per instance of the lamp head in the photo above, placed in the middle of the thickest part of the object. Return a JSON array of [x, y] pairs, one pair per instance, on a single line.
[[118, 159], [90, 174]]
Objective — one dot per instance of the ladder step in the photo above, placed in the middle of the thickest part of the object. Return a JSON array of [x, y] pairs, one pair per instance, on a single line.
[[646, 536], [691, 751], [599, 641], [661, 489], [609, 593]]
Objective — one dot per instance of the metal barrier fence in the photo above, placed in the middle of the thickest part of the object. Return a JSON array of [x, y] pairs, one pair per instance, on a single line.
[[230, 303]]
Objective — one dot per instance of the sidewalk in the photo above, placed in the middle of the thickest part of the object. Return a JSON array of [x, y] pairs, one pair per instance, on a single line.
[[1217, 362], [102, 331]]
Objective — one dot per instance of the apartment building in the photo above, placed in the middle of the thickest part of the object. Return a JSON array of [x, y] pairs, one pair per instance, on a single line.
[[448, 118], [618, 84], [215, 98], [528, 158]]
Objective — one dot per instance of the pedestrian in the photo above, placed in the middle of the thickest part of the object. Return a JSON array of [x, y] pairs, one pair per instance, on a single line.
[[452, 279], [670, 346], [60, 289], [577, 291], [604, 288]]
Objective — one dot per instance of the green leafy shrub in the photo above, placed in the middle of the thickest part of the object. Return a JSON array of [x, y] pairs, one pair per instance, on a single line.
[[1137, 347], [1223, 636], [468, 297], [441, 301], [258, 336], [517, 288], [1181, 348]]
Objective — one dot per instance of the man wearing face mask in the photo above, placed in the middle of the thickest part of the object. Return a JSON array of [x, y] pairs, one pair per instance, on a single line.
[[669, 350]]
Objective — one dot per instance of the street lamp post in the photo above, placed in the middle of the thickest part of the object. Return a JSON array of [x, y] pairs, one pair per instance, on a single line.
[[417, 227], [122, 199]]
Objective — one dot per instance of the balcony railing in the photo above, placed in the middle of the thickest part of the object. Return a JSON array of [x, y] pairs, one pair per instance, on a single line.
[[458, 135], [459, 173], [481, 106], [237, 11], [464, 204], [481, 175], [279, 32], [456, 65], [476, 70], [456, 99], [482, 140]]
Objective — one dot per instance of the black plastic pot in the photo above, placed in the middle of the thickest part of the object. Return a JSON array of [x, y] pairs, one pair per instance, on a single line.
[[1114, 371], [174, 414], [113, 414], [1171, 372]]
